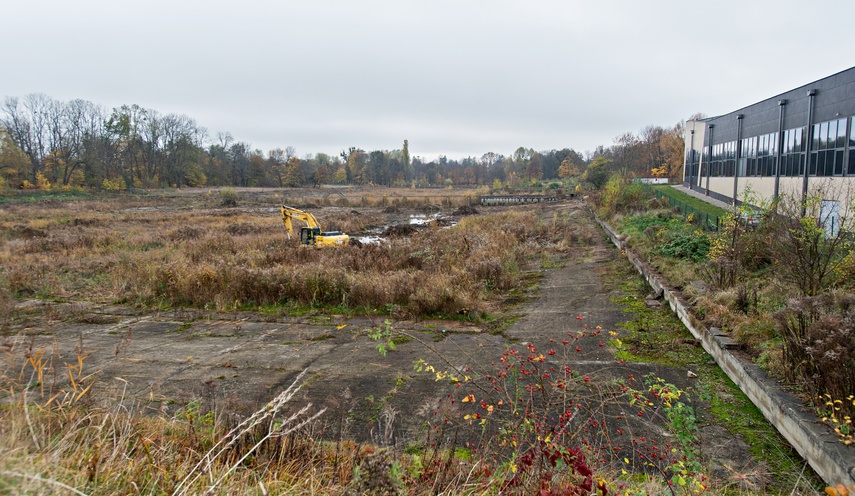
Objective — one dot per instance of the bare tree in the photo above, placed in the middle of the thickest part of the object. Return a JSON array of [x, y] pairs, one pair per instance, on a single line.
[[26, 123]]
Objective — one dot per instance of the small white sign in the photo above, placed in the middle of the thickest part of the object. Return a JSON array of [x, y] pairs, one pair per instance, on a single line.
[[829, 216]]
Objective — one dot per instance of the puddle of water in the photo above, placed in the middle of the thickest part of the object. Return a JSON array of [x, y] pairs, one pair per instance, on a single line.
[[372, 240], [422, 219], [144, 209]]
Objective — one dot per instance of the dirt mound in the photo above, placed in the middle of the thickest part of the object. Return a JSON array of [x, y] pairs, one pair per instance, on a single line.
[[186, 233], [85, 222], [400, 230], [241, 229], [429, 209], [27, 232], [465, 210]]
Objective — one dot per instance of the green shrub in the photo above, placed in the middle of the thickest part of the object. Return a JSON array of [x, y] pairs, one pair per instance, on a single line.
[[621, 195], [692, 246], [228, 197]]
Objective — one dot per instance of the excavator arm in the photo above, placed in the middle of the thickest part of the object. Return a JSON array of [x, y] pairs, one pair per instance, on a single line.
[[289, 213]]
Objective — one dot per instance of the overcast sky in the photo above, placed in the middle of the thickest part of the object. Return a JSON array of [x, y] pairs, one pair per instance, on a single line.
[[458, 78]]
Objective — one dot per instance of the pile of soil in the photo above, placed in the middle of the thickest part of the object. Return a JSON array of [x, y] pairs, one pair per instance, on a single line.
[[400, 230], [466, 210]]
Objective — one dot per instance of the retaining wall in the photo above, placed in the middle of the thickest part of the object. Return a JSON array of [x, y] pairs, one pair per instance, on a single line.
[[831, 459], [494, 200]]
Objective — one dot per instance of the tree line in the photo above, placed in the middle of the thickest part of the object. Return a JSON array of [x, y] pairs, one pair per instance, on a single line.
[[77, 144]]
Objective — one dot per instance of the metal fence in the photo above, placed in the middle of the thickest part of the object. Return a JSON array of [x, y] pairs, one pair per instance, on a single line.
[[710, 221]]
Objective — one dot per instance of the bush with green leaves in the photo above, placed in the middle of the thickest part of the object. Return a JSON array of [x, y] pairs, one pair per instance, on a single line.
[[621, 194], [693, 246]]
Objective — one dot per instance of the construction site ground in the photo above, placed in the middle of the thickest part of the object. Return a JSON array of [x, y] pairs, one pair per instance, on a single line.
[[161, 361]]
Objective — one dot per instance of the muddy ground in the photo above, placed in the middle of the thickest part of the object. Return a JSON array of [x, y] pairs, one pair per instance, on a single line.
[[161, 361]]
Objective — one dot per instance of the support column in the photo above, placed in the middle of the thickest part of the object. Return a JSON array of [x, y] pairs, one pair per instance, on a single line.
[[811, 97], [781, 105], [739, 118], [711, 127], [694, 177]]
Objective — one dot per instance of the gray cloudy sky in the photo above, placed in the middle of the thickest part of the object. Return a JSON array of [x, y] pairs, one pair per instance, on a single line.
[[459, 78]]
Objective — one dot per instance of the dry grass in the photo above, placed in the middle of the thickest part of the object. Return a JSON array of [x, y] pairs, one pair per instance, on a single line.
[[80, 435], [159, 251]]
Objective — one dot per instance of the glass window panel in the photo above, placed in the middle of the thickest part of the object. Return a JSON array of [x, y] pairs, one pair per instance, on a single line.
[[773, 169], [802, 164], [800, 139], [838, 162], [812, 167], [820, 163], [832, 134], [815, 137], [851, 168], [841, 133], [852, 132]]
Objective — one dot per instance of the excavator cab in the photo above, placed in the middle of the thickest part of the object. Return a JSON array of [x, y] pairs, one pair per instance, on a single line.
[[308, 235]]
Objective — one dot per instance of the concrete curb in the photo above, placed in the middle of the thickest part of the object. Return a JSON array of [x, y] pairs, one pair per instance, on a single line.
[[831, 459]]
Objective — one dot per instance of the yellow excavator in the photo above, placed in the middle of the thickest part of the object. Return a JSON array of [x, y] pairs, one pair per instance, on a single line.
[[311, 234]]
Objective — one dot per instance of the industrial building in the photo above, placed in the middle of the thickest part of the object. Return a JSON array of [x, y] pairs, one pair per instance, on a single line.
[[789, 144]]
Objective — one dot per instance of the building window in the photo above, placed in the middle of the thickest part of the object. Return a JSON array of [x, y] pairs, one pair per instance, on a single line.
[[723, 160], [828, 140], [851, 171], [758, 156], [793, 152]]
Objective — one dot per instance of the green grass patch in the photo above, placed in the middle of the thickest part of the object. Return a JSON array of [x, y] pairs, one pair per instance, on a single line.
[[691, 201], [43, 196]]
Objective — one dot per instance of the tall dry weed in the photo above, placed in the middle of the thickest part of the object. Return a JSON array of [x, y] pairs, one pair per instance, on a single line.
[[436, 271], [80, 434]]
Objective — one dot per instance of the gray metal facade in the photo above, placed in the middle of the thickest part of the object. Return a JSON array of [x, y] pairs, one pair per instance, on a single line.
[[806, 132]]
